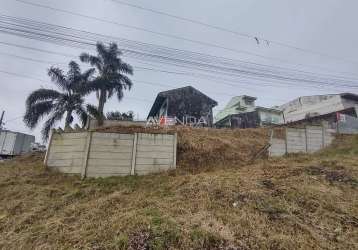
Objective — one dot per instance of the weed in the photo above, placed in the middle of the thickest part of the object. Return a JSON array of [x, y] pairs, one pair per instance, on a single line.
[[121, 242]]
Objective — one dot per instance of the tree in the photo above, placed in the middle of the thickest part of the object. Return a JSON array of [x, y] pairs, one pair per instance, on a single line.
[[112, 76], [116, 115], [55, 104]]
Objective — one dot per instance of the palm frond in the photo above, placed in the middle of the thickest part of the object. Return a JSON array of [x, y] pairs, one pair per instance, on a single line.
[[101, 50], [50, 123], [92, 60], [93, 111], [82, 114], [58, 77], [119, 94], [74, 72], [36, 112], [88, 74], [42, 95], [126, 82], [126, 69]]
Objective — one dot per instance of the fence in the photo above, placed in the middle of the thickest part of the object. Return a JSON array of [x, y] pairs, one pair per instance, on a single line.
[[95, 154], [301, 140]]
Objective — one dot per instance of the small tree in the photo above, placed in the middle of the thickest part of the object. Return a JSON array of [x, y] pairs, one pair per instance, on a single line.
[[112, 76], [116, 115], [58, 104]]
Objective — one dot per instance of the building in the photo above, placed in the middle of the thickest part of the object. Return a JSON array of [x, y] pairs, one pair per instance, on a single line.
[[187, 105], [319, 108], [14, 143], [241, 112]]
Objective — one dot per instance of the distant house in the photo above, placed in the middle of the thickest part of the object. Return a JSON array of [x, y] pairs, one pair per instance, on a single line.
[[186, 104], [320, 108], [241, 112]]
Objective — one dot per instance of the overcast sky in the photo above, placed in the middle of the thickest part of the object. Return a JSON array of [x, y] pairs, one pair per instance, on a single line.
[[326, 26]]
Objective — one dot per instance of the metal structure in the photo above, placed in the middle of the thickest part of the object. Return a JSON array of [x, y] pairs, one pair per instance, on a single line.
[[13, 143]]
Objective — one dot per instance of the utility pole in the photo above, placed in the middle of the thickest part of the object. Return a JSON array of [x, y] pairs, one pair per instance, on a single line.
[[1, 119]]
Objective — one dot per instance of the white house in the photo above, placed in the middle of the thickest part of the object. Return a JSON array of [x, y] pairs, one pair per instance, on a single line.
[[315, 106], [241, 112]]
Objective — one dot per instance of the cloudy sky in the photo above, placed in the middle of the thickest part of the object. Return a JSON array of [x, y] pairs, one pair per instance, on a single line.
[[324, 26]]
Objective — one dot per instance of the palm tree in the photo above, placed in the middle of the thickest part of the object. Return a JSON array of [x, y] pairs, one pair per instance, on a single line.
[[112, 76], [55, 104]]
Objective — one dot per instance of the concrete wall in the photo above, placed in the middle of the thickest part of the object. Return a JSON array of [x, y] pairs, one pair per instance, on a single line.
[[110, 154], [301, 140], [66, 152], [94, 154]]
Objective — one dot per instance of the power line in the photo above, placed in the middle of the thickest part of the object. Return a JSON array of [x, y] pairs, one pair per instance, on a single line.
[[93, 37], [196, 75], [40, 80], [60, 40], [22, 76], [151, 31], [130, 98], [135, 80], [219, 28], [31, 59]]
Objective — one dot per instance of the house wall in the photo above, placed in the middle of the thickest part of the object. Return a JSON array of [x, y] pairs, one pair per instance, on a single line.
[[244, 120], [186, 103], [348, 125], [269, 117], [236, 105], [95, 154], [303, 107]]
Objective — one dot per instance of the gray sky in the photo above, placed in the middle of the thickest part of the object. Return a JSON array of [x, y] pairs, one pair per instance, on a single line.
[[325, 26]]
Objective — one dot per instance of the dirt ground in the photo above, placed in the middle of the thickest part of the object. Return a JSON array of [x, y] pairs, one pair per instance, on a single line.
[[295, 202]]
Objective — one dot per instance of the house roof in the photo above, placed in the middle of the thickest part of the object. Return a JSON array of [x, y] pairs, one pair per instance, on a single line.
[[350, 96], [162, 96]]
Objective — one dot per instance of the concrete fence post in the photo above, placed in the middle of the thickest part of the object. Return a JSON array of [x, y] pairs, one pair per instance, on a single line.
[[323, 137], [175, 150], [49, 147], [86, 155], [306, 139], [134, 153], [286, 140]]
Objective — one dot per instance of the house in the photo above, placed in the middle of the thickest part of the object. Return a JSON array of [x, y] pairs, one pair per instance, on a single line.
[[320, 108], [241, 112], [186, 105]]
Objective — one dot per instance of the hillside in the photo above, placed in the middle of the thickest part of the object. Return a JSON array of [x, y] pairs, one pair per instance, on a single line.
[[296, 202]]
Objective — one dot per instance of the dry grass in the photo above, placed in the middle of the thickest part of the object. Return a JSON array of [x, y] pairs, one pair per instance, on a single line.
[[297, 202]]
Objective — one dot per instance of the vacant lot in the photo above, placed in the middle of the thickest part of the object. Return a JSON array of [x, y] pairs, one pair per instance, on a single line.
[[297, 202]]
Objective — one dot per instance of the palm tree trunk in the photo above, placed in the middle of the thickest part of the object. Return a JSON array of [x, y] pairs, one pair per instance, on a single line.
[[101, 102], [68, 119]]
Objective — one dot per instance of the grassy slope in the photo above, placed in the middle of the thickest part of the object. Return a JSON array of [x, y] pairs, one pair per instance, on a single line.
[[298, 202]]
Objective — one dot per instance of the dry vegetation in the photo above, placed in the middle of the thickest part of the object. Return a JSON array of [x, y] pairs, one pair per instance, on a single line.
[[296, 202]]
